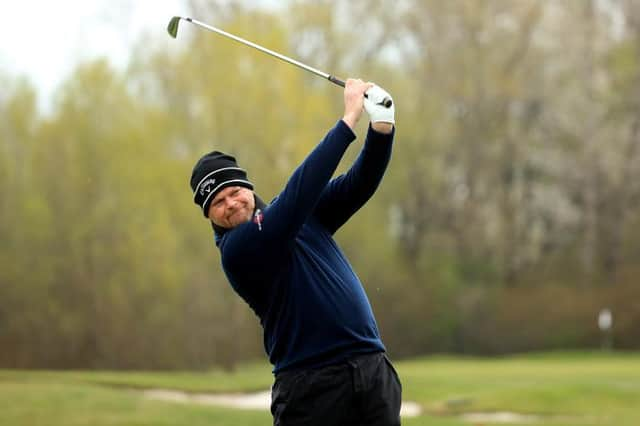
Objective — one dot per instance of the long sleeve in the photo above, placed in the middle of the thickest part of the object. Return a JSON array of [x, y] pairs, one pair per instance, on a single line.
[[298, 200], [347, 193]]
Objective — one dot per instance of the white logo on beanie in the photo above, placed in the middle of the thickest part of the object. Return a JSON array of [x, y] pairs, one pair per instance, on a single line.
[[206, 186]]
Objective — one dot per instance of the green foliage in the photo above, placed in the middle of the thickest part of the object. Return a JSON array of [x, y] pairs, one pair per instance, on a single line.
[[507, 219]]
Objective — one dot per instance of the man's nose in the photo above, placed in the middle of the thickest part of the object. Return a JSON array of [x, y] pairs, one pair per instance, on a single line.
[[231, 203]]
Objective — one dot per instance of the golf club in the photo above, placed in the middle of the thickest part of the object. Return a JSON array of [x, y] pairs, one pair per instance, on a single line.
[[172, 28]]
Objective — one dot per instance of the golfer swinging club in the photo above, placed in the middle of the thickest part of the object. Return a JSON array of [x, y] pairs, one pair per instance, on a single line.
[[319, 330]]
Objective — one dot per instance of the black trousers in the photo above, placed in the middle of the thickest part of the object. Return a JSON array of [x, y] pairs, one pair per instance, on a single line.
[[362, 391]]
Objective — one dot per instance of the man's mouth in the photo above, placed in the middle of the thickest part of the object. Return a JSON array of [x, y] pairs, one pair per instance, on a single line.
[[234, 214]]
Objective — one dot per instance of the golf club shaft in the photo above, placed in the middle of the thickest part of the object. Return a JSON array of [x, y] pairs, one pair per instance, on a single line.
[[329, 77]]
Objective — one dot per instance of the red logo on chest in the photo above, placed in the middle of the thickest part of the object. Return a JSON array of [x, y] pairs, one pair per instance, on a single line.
[[257, 219]]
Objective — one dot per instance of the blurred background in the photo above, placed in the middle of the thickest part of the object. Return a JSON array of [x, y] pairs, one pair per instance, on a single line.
[[508, 221]]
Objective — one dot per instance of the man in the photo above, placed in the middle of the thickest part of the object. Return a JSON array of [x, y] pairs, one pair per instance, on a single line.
[[319, 330]]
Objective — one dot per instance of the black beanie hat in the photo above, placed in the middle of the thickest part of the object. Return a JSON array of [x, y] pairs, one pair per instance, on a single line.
[[211, 174]]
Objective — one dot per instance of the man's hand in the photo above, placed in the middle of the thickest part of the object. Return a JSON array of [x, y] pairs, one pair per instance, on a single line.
[[382, 117], [354, 91]]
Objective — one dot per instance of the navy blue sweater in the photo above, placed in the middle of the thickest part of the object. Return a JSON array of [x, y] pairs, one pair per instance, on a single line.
[[287, 267]]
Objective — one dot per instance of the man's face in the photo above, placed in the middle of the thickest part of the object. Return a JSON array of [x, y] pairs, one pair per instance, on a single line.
[[232, 206]]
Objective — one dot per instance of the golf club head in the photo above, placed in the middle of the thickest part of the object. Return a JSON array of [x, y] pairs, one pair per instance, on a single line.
[[172, 28]]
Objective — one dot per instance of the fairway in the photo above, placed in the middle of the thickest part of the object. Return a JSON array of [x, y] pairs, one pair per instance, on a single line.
[[541, 389]]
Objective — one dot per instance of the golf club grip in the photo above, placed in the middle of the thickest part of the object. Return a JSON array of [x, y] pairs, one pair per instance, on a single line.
[[336, 80], [339, 82], [386, 102]]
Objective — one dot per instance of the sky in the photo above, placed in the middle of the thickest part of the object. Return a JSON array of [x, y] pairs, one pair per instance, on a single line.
[[44, 40]]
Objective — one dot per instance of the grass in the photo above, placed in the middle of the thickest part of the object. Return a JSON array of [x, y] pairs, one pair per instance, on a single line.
[[559, 388], [68, 404], [562, 388], [247, 378]]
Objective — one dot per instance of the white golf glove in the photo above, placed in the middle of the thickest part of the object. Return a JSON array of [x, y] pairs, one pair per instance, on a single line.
[[374, 104]]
